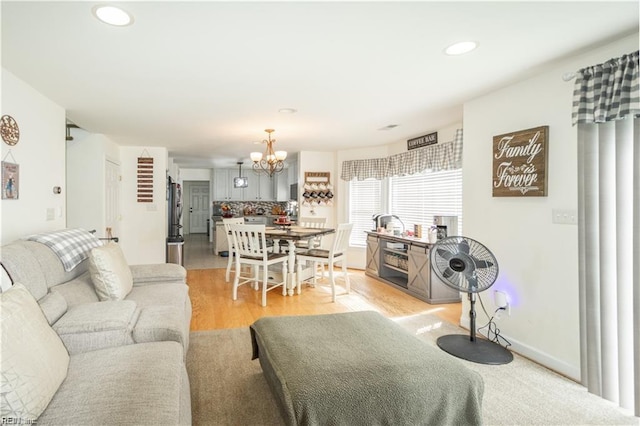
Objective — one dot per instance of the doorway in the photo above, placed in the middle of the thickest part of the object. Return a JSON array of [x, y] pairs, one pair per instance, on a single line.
[[197, 206]]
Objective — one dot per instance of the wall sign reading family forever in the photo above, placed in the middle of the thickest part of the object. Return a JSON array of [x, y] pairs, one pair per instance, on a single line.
[[520, 163]]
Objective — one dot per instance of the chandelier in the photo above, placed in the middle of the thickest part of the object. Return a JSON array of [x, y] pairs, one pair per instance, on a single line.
[[271, 161]]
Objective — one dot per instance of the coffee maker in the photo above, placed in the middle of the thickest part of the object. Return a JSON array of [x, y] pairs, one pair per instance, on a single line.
[[381, 220]]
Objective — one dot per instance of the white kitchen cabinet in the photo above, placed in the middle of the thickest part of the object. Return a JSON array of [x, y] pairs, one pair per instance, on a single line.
[[223, 189], [261, 187]]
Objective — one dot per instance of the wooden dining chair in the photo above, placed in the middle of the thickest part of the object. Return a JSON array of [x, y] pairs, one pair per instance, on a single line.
[[227, 222], [337, 253], [250, 245]]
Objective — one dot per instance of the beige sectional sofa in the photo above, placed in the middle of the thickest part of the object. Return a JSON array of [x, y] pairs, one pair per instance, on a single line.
[[126, 354]]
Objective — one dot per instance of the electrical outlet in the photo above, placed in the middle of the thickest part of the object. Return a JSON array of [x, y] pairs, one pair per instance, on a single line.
[[501, 300], [564, 217], [51, 213]]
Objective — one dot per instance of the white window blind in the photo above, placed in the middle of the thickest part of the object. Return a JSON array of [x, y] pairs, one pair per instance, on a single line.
[[417, 198], [365, 200]]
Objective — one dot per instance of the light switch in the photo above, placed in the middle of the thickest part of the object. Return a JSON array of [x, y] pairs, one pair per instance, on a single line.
[[564, 216]]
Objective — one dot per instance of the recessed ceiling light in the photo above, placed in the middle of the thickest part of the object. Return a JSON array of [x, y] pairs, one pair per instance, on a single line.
[[287, 110], [112, 15], [461, 48]]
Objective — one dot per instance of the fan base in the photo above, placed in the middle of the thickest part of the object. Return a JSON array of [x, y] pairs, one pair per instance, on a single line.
[[480, 351]]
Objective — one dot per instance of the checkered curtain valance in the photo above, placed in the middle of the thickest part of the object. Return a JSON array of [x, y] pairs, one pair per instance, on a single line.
[[608, 91], [445, 156]]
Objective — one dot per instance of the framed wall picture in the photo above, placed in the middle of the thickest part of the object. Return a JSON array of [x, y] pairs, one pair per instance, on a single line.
[[520, 163], [10, 181]]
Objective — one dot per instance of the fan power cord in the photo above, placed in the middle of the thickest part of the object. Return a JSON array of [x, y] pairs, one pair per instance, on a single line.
[[492, 331]]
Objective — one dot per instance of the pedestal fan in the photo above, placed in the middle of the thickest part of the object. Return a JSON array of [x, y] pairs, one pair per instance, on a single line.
[[467, 266]]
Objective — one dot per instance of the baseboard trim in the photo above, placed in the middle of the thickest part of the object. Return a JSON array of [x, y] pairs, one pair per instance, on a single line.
[[535, 355]]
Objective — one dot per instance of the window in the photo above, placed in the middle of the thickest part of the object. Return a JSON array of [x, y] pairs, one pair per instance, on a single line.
[[365, 200], [417, 198]]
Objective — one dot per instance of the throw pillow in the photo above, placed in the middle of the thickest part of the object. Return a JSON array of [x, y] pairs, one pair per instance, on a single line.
[[110, 272], [34, 359]]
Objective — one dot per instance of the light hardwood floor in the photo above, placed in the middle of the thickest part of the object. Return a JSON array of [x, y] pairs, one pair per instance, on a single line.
[[213, 307]]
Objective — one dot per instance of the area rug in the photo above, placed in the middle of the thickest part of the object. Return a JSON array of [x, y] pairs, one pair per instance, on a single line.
[[228, 388]]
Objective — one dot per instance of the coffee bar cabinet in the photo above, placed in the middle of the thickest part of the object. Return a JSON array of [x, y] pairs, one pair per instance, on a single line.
[[404, 263]]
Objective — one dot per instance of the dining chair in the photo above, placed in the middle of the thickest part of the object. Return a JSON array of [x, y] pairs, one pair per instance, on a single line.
[[337, 253], [250, 245], [227, 222], [311, 222]]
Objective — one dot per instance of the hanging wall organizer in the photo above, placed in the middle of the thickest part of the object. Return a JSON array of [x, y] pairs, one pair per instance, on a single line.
[[145, 178], [318, 190]]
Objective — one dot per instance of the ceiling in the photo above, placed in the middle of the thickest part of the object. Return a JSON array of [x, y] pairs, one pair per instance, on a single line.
[[204, 79]]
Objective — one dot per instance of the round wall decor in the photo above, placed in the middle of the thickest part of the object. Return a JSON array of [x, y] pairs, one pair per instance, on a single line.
[[9, 130]]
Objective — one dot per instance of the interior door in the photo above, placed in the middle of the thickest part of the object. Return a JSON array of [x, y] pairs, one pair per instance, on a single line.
[[112, 199], [198, 207]]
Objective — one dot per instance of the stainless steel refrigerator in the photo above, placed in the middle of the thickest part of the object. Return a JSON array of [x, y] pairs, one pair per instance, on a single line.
[[175, 240]]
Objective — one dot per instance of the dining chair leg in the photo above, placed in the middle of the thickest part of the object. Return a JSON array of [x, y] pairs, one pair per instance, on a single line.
[[347, 284], [299, 273], [256, 277], [332, 278], [236, 280], [284, 280], [265, 277], [228, 274]]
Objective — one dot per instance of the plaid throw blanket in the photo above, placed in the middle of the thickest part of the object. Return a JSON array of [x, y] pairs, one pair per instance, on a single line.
[[72, 246]]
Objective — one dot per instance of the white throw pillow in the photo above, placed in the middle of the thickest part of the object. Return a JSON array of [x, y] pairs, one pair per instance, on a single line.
[[34, 359], [110, 272]]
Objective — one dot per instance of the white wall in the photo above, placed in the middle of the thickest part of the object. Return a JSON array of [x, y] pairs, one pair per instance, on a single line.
[[86, 156], [41, 156], [144, 225], [319, 161], [195, 174], [538, 259]]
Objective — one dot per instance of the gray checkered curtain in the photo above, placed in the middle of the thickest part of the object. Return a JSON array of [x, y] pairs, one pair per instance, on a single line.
[[376, 168], [446, 156], [608, 91]]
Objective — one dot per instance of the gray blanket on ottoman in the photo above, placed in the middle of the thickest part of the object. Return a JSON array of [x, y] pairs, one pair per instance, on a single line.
[[360, 368]]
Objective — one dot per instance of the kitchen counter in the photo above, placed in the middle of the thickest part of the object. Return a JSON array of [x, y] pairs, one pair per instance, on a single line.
[[423, 242]]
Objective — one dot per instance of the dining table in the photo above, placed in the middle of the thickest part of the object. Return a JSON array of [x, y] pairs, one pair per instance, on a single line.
[[292, 234]]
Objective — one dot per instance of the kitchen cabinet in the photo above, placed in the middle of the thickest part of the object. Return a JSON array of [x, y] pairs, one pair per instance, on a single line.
[[373, 255], [260, 186], [405, 264], [223, 189]]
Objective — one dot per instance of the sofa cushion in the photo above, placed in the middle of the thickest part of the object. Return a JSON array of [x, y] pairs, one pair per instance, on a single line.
[[29, 378], [77, 291], [23, 266], [158, 273], [126, 385], [53, 306], [110, 272], [162, 323], [98, 325]]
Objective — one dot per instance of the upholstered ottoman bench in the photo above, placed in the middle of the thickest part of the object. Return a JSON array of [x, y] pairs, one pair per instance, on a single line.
[[360, 368]]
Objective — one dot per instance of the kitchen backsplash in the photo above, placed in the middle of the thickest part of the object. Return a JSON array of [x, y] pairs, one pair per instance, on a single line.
[[240, 208]]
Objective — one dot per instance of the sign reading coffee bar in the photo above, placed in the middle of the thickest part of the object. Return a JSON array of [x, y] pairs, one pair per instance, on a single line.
[[430, 139], [520, 163]]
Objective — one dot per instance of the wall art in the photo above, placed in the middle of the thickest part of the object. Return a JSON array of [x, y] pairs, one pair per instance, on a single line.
[[9, 130], [145, 179], [520, 163], [10, 181]]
